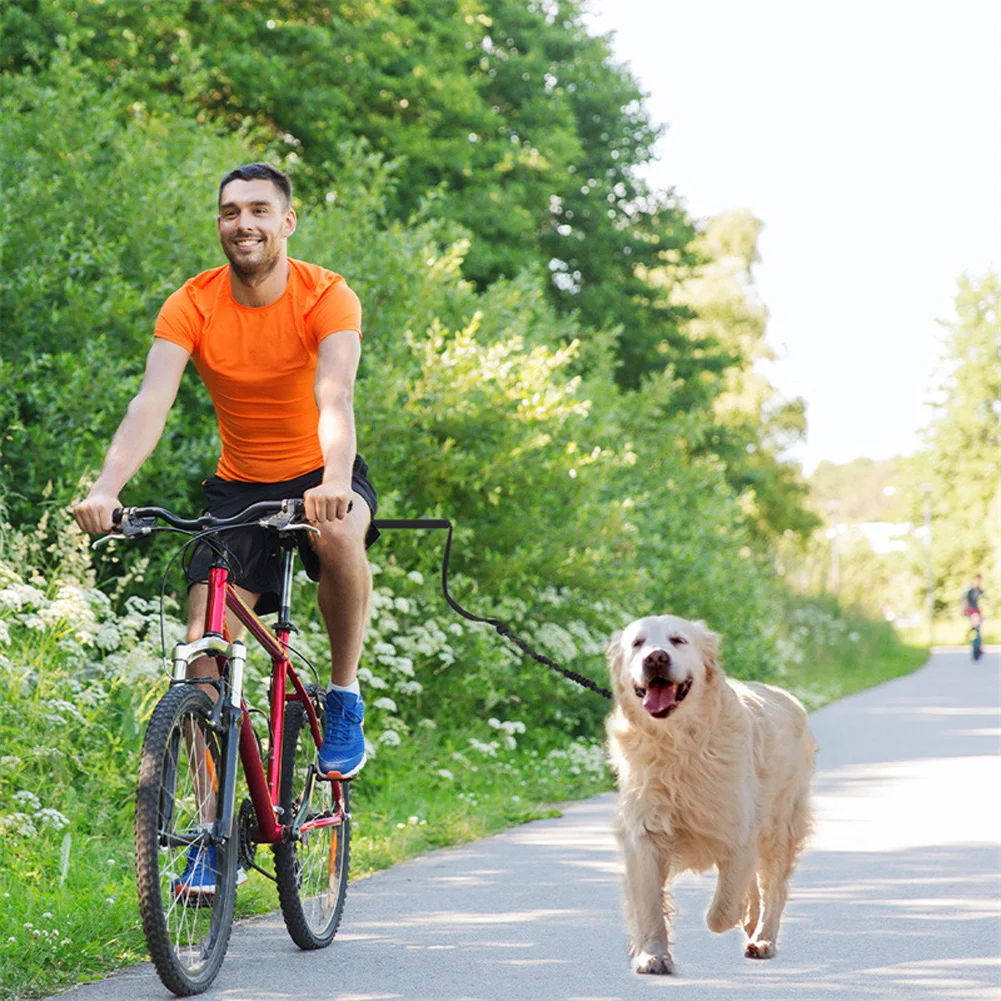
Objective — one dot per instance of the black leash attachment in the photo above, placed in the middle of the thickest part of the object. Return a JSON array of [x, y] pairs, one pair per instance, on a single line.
[[501, 627]]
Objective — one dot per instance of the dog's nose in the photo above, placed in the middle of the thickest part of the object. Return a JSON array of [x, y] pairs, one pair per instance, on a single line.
[[656, 662]]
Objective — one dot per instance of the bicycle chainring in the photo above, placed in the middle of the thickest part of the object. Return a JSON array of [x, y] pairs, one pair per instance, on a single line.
[[248, 824]]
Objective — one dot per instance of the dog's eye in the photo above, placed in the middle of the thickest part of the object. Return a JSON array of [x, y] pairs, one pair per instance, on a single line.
[[638, 642], [678, 640]]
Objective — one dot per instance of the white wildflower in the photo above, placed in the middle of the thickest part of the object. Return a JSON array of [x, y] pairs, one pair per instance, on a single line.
[[52, 818], [404, 665], [416, 576], [107, 636], [557, 639], [19, 825], [385, 703], [488, 749], [445, 774], [389, 737], [27, 798], [409, 687]]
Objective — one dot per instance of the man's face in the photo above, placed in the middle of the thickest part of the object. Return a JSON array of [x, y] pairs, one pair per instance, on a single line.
[[253, 226]]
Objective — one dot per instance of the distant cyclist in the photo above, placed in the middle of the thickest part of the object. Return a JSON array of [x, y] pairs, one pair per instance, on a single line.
[[971, 602]]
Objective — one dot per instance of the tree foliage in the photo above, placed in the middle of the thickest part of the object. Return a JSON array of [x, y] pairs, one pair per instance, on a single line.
[[962, 456], [574, 427], [509, 113]]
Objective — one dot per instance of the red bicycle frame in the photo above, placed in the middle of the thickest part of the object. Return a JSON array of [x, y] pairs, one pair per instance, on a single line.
[[264, 789]]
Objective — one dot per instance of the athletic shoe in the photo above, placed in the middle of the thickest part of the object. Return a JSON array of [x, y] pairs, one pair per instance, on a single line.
[[342, 752], [198, 879]]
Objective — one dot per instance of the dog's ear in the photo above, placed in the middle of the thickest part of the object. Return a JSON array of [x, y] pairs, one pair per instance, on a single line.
[[708, 644], [613, 654], [614, 649]]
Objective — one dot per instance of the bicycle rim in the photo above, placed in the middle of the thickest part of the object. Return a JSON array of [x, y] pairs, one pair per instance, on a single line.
[[312, 872], [187, 932]]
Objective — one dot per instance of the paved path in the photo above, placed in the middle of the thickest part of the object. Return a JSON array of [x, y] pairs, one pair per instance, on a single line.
[[898, 897]]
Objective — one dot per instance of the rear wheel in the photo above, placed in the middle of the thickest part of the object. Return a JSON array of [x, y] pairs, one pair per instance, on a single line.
[[187, 929], [311, 870]]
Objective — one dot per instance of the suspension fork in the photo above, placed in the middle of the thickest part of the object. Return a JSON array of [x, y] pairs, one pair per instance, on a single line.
[[230, 717]]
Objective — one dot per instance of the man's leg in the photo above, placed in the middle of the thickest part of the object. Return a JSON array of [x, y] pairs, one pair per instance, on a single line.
[[343, 594], [345, 588]]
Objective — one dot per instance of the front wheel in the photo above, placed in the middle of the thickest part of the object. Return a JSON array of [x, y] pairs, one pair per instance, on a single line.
[[978, 648], [186, 883], [312, 869]]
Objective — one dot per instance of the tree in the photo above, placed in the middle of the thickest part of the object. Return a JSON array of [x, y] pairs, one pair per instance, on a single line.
[[508, 114], [963, 445], [753, 425]]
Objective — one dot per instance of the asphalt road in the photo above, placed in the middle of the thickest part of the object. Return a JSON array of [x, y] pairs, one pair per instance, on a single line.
[[899, 895]]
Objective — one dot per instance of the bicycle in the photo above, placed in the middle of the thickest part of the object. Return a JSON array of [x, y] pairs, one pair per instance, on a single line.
[[186, 792], [976, 643]]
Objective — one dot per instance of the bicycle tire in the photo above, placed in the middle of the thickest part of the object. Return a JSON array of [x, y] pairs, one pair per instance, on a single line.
[[187, 934], [311, 872]]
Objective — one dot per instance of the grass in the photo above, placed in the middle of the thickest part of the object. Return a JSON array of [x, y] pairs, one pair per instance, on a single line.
[[955, 631], [68, 922], [78, 680], [840, 652]]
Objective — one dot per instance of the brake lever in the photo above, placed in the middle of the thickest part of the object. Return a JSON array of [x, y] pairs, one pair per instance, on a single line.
[[304, 527], [110, 537]]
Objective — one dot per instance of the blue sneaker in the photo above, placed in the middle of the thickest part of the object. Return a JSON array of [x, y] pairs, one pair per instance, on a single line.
[[342, 752], [198, 878]]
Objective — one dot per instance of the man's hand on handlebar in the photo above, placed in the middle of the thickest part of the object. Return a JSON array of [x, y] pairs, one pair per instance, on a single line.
[[93, 514], [327, 502]]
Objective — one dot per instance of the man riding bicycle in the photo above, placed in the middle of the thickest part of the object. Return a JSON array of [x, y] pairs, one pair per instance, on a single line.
[[971, 602], [276, 342]]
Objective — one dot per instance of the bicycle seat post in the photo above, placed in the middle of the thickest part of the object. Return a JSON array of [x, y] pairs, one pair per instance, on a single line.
[[284, 624]]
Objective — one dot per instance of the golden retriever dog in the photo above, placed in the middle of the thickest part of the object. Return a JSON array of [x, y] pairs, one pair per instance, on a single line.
[[711, 772]]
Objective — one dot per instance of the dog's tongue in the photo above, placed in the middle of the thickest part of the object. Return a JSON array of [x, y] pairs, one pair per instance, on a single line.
[[659, 697]]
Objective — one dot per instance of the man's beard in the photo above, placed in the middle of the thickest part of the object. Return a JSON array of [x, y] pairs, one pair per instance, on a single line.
[[256, 273]]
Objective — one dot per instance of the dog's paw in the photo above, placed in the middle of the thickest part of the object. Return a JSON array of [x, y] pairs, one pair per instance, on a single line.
[[720, 921], [647, 962], [760, 949]]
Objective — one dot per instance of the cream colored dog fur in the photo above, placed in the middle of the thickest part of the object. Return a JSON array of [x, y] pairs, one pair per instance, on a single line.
[[711, 772]]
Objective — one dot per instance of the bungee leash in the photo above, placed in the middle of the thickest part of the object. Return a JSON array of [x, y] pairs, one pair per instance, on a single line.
[[502, 628]]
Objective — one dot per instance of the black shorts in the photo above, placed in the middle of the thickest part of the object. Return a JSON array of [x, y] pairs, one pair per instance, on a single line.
[[255, 555]]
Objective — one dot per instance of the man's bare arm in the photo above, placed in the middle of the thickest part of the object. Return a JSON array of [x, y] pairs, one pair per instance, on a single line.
[[336, 369], [136, 436]]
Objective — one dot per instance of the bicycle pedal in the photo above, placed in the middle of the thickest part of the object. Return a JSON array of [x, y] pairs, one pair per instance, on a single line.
[[334, 777]]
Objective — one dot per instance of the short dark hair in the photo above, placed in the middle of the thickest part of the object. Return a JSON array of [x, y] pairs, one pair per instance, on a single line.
[[260, 172]]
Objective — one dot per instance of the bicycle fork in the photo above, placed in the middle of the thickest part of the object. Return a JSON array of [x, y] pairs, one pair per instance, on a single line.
[[230, 716]]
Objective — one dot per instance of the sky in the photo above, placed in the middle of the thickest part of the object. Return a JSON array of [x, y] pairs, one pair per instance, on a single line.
[[867, 138]]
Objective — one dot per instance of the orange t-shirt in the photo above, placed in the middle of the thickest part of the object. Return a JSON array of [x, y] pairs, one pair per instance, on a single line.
[[259, 363]]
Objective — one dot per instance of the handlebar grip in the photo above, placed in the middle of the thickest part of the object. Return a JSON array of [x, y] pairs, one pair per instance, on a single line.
[[116, 516]]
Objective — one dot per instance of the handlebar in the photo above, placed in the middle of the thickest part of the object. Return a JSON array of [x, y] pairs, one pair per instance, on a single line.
[[283, 515]]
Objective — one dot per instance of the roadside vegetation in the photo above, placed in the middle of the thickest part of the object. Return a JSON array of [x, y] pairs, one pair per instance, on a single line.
[[558, 359]]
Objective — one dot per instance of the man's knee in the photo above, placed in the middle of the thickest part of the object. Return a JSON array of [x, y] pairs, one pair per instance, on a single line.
[[339, 542]]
